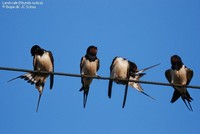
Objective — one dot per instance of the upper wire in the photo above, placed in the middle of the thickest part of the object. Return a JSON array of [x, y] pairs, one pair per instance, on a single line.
[[98, 77]]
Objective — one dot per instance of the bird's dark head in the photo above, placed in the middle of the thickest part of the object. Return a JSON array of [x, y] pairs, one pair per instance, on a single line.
[[132, 68], [176, 62], [92, 50], [36, 50]]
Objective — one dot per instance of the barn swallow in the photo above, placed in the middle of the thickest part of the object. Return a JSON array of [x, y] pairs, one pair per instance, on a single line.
[[122, 68], [89, 66], [179, 74], [42, 61]]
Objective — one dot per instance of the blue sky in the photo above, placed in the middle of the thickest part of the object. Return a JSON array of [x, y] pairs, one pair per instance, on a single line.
[[144, 31]]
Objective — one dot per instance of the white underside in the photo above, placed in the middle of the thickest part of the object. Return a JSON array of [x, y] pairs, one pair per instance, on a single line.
[[179, 77], [44, 62]]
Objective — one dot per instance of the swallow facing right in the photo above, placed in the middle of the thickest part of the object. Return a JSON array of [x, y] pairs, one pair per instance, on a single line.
[[179, 74], [42, 61], [125, 69], [89, 66]]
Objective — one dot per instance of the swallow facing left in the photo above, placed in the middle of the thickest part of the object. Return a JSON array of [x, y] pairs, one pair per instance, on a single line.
[[89, 66], [42, 61], [179, 74], [125, 69]]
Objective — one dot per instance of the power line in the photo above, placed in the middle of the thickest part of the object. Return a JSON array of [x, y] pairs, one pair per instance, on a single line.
[[97, 77]]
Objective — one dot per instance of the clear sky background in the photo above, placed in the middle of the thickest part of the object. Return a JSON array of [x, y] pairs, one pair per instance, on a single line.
[[144, 31]]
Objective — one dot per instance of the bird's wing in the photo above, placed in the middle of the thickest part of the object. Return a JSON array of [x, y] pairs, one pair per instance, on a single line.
[[51, 76], [110, 88], [34, 63], [81, 66], [189, 75], [81, 63], [168, 75], [98, 64], [113, 64]]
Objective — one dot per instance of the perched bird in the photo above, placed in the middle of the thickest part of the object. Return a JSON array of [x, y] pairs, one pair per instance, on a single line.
[[89, 66], [42, 61], [179, 74], [122, 68]]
